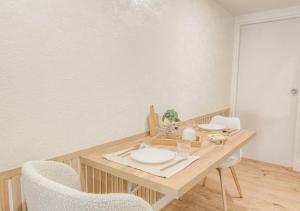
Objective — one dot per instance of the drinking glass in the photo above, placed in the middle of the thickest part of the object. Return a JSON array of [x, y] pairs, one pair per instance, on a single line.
[[184, 147]]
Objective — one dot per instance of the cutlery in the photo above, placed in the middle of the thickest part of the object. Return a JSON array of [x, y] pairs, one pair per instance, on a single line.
[[129, 150], [173, 164], [234, 132], [229, 132]]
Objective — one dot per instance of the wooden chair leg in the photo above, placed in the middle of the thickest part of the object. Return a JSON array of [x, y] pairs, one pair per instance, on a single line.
[[236, 181], [204, 181], [223, 189]]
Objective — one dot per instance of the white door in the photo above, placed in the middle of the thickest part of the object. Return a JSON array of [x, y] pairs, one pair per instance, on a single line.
[[269, 72]]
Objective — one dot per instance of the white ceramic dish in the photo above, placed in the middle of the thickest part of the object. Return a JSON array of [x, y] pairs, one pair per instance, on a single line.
[[151, 155], [211, 127]]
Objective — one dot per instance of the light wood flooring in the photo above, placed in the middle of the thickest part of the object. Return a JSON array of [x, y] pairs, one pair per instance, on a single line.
[[265, 187]]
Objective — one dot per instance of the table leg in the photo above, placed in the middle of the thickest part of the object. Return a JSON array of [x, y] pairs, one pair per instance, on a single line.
[[132, 188], [161, 203]]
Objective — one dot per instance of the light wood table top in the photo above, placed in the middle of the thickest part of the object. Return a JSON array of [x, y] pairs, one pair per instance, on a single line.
[[211, 156]]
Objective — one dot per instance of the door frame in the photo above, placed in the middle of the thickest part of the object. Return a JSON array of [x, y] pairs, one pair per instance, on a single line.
[[256, 18]]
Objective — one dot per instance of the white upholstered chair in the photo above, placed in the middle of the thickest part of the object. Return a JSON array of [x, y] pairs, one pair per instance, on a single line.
[[54, 186], [235, 158]]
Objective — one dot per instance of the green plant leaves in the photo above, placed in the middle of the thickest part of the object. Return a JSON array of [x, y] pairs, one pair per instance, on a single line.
[[171, 115]]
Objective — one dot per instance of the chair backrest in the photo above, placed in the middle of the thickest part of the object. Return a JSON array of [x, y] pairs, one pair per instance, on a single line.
[[229, 122], [57, 172], [49, 186]]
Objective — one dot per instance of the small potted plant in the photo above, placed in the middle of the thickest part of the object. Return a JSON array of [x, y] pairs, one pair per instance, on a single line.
[[170, 118], [170, 122]]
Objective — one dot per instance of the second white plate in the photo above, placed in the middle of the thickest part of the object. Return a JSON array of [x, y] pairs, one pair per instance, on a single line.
[[211, 127], [151, 155]]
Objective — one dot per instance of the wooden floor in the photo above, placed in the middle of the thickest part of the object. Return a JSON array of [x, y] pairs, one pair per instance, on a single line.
[[265, 188]]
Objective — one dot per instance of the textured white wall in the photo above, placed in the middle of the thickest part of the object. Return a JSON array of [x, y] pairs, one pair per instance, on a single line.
[[78, 73]]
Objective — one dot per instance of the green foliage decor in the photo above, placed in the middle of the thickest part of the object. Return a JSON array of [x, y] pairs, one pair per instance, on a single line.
[[171, 115]]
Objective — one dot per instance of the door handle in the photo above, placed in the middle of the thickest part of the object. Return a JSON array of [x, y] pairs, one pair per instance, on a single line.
[[294, 91]]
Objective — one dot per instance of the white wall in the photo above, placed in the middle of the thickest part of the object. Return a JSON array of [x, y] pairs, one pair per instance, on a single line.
[[78, 73]]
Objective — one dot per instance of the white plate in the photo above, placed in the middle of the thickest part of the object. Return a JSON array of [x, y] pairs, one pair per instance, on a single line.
[[211, 127], [151, 155]]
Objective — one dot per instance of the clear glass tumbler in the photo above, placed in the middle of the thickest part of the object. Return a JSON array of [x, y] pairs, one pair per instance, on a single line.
[[184, 147]]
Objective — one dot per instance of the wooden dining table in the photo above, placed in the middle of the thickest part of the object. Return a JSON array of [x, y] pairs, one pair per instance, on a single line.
[[174, 187]]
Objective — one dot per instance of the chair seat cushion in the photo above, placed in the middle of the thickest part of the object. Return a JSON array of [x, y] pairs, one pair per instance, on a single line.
[[231, 161]]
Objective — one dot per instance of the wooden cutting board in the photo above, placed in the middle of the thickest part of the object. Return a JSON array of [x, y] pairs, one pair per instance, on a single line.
[[153, 121]]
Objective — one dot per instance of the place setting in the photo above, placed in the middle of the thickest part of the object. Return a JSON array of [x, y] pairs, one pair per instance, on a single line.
[[217, 133], [152, 159]]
